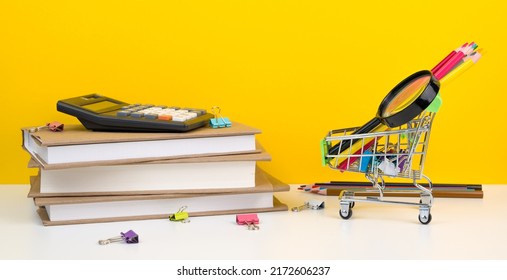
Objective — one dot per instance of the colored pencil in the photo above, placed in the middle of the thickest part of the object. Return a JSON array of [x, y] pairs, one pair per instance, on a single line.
[[446, 59], [457, 71], [451, 63]]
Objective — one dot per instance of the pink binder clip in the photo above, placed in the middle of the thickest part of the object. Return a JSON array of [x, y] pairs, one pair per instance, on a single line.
[[251, 220], [55, 126], [52, 126]]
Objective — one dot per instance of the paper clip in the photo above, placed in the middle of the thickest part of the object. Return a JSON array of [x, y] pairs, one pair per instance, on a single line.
[[218, 121], [130, 237], [180, 216], [52, 126], [312, 204], [251, 220]]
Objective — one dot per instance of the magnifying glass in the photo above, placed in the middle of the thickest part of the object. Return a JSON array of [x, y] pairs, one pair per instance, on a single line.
[[403, 103]]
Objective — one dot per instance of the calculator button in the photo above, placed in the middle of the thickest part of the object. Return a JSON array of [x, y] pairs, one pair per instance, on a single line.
[[165, 117], [151, 116], [198, 112], [195, 110], [183, 117], [124, 113], [166, 112], [136, 115], [192, 115], [147, 111], [179, 118]]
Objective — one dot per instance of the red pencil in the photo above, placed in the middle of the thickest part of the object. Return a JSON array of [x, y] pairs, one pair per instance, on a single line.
[[446, 59], [451, 63]]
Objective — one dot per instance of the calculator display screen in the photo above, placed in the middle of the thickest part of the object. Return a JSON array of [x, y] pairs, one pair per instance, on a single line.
[[99, 106]]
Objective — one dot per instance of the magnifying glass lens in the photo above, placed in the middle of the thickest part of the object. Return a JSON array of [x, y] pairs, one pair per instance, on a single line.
[[404, 102], [406, 96]]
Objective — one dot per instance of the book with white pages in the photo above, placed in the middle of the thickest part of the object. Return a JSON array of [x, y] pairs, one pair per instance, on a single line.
[[197, 174], [76, 144], [75, 210]]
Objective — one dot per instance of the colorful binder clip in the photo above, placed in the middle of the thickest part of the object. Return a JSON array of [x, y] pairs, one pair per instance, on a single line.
[[218, 121], [250, 220], [365, 161], [388, 168], [53, 126], [312, 204], [130, 237], [180, 216]]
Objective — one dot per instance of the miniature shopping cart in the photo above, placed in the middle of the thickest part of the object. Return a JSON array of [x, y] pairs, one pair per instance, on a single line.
[[388, 152]]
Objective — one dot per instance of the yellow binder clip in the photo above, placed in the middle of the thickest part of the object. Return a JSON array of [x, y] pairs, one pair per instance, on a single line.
[[180, 216]]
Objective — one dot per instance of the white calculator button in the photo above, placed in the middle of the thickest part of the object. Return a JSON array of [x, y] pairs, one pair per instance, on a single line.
[[147, 111], [191, 115], [179, 118]]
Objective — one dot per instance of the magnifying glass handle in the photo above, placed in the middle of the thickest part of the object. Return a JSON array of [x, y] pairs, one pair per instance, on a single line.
[[344, 145], [369, 126]]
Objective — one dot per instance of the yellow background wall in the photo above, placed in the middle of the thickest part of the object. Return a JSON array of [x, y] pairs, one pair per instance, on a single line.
[[294, 69]]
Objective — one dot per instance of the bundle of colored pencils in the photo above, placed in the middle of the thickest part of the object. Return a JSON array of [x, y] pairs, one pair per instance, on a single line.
[[457, 62]]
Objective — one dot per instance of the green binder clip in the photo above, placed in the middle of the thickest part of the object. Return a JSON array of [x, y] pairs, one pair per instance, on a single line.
[[218, 121], [180, 216]]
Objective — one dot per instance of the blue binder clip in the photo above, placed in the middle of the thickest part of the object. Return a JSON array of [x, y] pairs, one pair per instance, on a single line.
[[365, 161], [218, 121]]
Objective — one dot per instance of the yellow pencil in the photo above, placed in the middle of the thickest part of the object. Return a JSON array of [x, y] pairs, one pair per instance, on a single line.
[[460, 69], [358, 146]]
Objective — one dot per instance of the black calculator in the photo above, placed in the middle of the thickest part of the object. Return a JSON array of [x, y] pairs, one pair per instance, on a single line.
[[101, 113]]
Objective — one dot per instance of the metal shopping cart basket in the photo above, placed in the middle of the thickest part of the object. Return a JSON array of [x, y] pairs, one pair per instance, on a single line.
[[392, 152]]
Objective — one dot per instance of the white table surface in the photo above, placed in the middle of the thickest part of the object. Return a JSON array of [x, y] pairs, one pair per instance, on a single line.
[[461, 229]]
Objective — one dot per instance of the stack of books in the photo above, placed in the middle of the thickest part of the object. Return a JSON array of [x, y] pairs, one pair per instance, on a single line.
[[88, 177]]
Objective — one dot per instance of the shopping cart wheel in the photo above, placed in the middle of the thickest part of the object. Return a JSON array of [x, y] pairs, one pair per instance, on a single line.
[[425, 219], [346, 214]]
